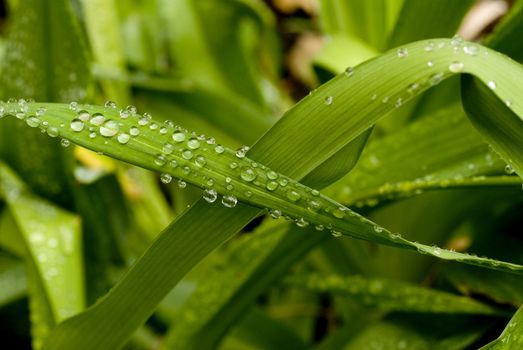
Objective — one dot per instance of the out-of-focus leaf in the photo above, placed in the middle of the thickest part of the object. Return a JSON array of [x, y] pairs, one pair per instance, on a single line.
[[52, 238], [13, 282], [393, 295], [41, 34]]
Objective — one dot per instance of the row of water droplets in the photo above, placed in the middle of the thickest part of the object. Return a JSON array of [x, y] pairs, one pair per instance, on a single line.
[[456, 45], [193, 158]]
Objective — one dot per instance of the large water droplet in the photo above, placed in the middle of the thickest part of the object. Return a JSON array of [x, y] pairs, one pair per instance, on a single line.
[[77, 125], [166, 178], [109, 128], [178, 136], [229, 201], [33, 121], [210, 195], [193, 143], [248, 174], [83, 116], [134, 131], [123, 138], [97, 119]]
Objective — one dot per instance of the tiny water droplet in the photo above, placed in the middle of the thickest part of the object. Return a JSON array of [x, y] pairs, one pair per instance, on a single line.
[[173, 163], [471, 49], [160, 160], [33, 121], [110, 104], [301, 222], [430, 63], [508, 103], [53, 131], [275, 214], [240, 153], [271, 185], [219, 149], [336, 234], [83, 116], [182, 184], [168, 148], [492, 84], [349, 71], [73, 106], [456, 67], [402, 52], [429, 46]]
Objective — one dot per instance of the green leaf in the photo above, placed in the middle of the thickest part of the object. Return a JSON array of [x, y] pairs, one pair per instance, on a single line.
[[13, 282], [512, 336], [393, 295], [342, 96], [41, 33], [52, 239]]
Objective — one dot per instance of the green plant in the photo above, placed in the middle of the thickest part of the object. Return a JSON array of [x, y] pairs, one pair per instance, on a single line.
[[87, 227]]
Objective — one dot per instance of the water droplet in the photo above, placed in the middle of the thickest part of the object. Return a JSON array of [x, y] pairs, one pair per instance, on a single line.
[[319, 227], [110, 104], [399, 102], [435, 78], [240, 153], [301, 222], [124, 114], [144, 120], [509, 169], [219, 149], [182, 184], [187, 154], [378, 229], [283, 181], [229, 201], [153, 126], [123, 138], [132, 110], [271, 185], [200, 161], [402, 52], [508, 103], [134, 131], [166, 178], [52, 131], [456, 67], [275, 214], [77, 125], [173, 163], [385, 99], [233, 165], [160, 160], [457, 40], [314, 206], [429, 46], [430, 63], [178, 136], [33, 122], [336, 234], [83, 115], [65, 142], [471, 49], [73, 106], [193, 143], [109, 128], [168, 148], [92, 135], [97, 119], [339, 212], [272, 175], [349, 71], [210, 195], [164, 130], [293, 196], [328, 100], [248, 174], [40, 111], [492, 84]]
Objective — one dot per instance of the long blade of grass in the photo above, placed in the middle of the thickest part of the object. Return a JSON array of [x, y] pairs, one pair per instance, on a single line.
[[354, 91]]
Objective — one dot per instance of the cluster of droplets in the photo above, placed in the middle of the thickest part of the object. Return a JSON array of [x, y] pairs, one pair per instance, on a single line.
[[184, 154]]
